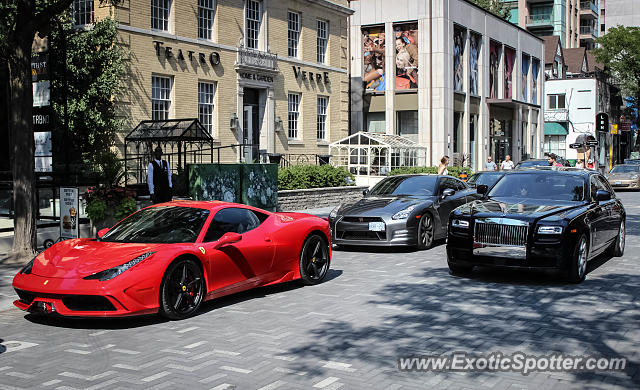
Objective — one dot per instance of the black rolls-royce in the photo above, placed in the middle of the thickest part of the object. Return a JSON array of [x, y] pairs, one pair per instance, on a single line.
[[538, 219]]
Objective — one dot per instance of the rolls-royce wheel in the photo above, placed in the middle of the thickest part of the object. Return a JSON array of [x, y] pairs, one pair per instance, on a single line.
[[425, 232], [314, 260], [578, 266], [617, 247], [182, 290]]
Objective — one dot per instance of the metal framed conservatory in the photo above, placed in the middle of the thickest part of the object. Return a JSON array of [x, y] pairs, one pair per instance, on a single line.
[[376, 154]]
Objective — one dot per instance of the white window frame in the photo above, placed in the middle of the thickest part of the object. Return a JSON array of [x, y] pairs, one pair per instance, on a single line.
[[206, 18], [161, 14], [556, 144], [161, 93], [252, 23], [554, 98], [293, 33], [322, 45], [206, 105], [293, 108], [82, 12], [322, 116]]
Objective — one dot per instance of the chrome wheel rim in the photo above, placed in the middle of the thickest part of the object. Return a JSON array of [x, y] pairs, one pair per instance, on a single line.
[[621, 237], [316, 258], [582, 257], [426, 230], [185, 288]]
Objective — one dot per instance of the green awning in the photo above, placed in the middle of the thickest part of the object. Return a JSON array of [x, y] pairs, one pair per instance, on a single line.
[[555, 128]]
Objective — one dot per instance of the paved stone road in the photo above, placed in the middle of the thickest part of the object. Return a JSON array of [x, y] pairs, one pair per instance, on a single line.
[[348, 332]]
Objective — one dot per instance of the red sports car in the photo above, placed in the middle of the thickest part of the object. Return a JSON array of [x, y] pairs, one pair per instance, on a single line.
[[170, 257]]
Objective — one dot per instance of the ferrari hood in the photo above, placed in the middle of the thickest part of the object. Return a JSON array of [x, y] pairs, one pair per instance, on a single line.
[[511, 208], [82, 257], [373, 206]]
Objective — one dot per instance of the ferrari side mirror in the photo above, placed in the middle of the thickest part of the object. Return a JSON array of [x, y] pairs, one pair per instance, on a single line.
[[102, 232], [227, 239]]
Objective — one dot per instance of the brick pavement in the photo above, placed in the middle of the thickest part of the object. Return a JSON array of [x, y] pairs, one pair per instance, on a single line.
[[348, 332]]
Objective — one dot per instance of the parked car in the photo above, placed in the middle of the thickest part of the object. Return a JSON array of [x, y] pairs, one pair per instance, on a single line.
[[488, 178], [532, 163], [631, 161], [171, 257], [400, 210], [538, 219], [625, 176]]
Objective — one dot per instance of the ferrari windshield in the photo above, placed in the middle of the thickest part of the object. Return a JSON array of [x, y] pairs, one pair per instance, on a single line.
[[164, 224], [405, 185], [626, 169], [545, 186]]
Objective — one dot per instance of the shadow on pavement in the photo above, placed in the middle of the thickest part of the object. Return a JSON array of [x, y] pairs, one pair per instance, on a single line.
[[384, 249]]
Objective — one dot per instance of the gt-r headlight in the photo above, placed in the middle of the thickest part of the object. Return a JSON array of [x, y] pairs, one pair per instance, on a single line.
[[117, 270], [403, 214], [460, 223], [334, 213], [634, 177], [549, 229], [26, 270]]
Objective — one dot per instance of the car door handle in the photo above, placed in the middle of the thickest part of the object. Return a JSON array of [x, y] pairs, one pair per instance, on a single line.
[[267, 238]]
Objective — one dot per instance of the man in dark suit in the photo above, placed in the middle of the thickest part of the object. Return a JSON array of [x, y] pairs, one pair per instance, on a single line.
[[159, 178]]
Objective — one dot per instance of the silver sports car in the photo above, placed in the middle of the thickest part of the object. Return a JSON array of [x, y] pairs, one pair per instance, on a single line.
[[400, 210]]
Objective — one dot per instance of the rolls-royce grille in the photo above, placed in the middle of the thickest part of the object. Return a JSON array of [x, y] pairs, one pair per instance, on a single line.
[[496, 234]]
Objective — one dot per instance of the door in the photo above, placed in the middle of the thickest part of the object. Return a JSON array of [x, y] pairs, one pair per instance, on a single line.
[[446, 205], [598, 217], [247, 133]]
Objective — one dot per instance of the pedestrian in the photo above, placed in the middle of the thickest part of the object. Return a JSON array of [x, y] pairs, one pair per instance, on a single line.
[[442, 168], [507, 164], [552, 159], [490, 165], [590, 164], [580, 164], [159, 178]]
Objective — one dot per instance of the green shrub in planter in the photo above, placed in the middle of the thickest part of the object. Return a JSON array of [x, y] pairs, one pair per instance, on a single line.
[[312, 176], [453, 170], [97, 209], [126, 207]]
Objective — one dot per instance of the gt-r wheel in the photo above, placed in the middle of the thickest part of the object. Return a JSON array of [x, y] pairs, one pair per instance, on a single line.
[[182, 290], [578, 266], [425, 232], [314, 260], [617, 248]]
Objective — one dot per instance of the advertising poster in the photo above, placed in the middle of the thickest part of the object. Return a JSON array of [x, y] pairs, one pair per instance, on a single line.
[[535, 67], [41, 93], [494, 65], [43, 153], [373, 57], [474, 53], [406, 44], [509, 61], [458, 55], [525, 74], [68, 212]]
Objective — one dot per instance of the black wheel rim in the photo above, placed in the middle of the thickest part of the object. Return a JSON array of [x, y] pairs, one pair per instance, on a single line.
[[426, 231], [315, 258], [185, 288]]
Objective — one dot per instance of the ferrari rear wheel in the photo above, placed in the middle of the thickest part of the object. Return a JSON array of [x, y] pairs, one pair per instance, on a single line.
[[425, 232], [182, 290], [314, 259]]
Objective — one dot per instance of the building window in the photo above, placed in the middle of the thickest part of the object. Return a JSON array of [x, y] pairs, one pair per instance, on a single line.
[[555, 144], [206, 12], [82, 12], [160, 14], [556, 101], [160, 97], [294, 114], [206, 93], [323, 39], [407, 124], [252, 23], [294, 33], [323, 102]]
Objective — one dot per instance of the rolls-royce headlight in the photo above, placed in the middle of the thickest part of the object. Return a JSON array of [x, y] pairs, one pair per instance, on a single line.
[[403, 214], [117, 270], [550, 230], [460, 223]]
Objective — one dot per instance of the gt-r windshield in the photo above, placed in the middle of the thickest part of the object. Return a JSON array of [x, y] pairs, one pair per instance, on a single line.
[[544, 186], [405, 185], [164, 224], [486, 178], [626, 169]]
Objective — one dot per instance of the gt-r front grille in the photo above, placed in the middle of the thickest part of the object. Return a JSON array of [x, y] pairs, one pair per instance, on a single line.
[[362, 235], [500, 234], [361, 219]]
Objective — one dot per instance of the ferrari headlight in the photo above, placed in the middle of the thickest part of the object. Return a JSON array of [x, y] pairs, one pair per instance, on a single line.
[[115, 271], [403, 214], [550, 230], [460, 223], [334, 213], [28, 267]]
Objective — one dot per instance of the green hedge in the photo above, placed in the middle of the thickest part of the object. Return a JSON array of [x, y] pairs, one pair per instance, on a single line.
[[453, 170], [312, 176]]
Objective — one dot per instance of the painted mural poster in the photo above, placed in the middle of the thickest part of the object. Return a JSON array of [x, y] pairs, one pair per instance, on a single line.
[[458, 56], [509, 62], [525, 77], [373, 56], [494, 65], [474, 53], [406, 43], [535, 66]]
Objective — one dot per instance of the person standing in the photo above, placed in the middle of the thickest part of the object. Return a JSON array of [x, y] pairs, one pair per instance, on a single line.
[[580, 164], [442, 168], [490, 165], [552, 160], [507, 164], [159, 178]]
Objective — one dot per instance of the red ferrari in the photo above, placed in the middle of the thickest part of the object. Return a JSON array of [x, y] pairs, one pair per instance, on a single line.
[[171, 257]]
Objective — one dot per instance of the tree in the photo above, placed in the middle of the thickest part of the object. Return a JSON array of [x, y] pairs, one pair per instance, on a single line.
[[496, 7], [619, 52]]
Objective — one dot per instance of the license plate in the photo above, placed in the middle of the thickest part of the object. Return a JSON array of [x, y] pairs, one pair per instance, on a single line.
[[618, 183], [376, 226]]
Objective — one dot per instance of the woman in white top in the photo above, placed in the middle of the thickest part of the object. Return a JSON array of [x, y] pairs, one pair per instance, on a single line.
[[442, 168]]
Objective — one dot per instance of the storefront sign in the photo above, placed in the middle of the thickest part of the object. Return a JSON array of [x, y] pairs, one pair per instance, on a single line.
[[40, 67], [602, 122], [614, 129], [304, 75], [41, 118], [68, 212], [169, 52], [256, 77]]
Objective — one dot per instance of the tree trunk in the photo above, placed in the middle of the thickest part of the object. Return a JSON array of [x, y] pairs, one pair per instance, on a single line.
[[22, 165]]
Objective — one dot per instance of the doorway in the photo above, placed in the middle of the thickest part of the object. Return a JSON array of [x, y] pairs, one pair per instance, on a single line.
[[251, 121]]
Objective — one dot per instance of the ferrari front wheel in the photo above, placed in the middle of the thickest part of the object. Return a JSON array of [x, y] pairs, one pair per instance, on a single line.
[[182, 290], [314, 259]]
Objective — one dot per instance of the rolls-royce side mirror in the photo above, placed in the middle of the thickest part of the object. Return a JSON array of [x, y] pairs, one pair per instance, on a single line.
[[448, 192], [602, 195], [482, 189], [365, 192]]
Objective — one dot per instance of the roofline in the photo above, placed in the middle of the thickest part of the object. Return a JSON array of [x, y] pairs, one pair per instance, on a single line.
[[503, 20]]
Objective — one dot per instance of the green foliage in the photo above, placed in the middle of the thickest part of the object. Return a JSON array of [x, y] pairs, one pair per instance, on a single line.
[[496, 7], [109, 167], [453, 170], [103, 202], [97, 209], [312, 176], [126, 207]]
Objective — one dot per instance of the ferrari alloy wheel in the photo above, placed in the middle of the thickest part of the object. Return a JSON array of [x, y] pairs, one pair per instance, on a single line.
[[182, 290], [425, 232], [314, 260], [617, 248], [578, 267]]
